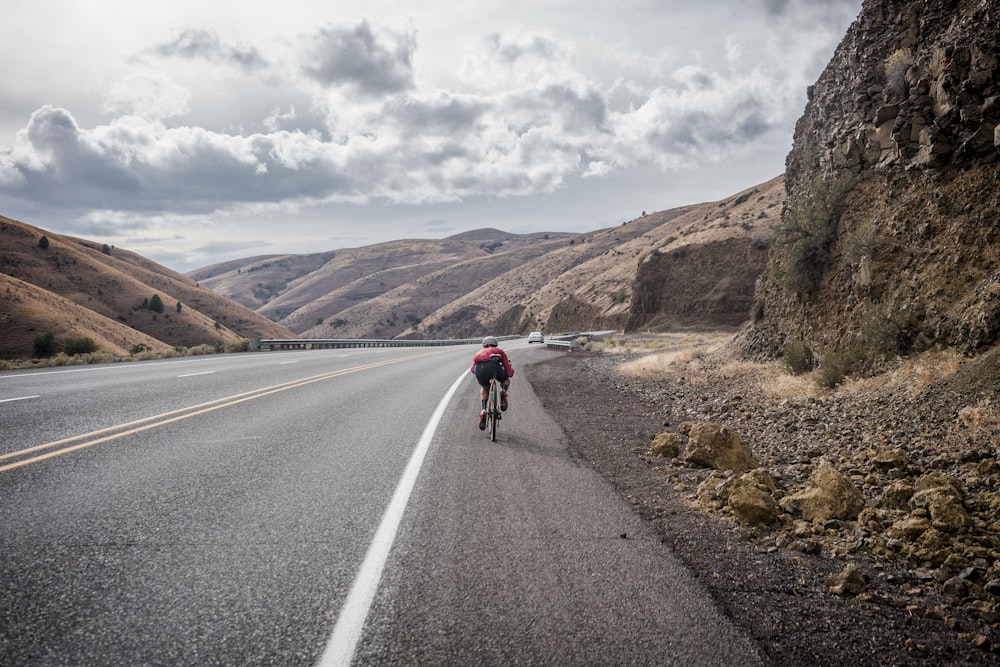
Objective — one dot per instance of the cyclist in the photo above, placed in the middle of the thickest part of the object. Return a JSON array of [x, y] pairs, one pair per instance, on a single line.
[[484, 367]]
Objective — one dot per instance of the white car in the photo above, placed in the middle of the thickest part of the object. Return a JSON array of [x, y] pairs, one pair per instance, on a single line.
[[536, 337]]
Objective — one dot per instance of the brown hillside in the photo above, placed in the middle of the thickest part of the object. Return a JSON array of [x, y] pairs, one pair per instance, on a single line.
[[404, 309], [114, 285], [27, 311], [254, 282], [588, 281]]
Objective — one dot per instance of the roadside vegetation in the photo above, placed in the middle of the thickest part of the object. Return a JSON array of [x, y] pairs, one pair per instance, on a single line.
[[51, 352]]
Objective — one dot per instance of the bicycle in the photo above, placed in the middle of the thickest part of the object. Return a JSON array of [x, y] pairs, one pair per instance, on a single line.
[[493, 403]]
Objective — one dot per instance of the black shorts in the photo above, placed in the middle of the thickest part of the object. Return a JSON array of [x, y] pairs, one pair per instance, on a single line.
[[487, 370]]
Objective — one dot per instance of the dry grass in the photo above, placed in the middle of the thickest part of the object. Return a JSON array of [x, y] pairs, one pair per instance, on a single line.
[[663, 352], [980, 420]]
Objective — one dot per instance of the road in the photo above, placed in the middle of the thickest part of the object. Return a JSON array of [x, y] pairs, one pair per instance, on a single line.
[[319, 507]]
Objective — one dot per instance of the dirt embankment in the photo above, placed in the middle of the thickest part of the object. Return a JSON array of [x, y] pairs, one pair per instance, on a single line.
[[825, 592]]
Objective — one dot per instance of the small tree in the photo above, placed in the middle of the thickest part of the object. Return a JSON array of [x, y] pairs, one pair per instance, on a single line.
[[106, 249], [43, 242], [178, 306], [156, 304]]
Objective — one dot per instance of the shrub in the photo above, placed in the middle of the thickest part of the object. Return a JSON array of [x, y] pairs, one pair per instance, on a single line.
[[43, 242], [797, 356], [836, 365], [807, 232], [44, 345], [106, 249], [82, 345], [156, 304]]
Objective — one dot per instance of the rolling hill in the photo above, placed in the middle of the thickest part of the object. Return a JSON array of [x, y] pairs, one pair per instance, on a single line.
[[690, 266], [75, 288]]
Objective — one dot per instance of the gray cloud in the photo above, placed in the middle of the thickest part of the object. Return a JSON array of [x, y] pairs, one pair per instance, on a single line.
[[205, 44], [356, 58]]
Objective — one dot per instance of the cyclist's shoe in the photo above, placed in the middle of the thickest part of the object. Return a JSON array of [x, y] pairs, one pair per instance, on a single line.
[[482, 420], [503, 400]]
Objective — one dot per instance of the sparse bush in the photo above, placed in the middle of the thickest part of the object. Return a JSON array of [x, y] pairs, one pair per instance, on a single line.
[[240, 345], [797, 357], [807, 232], [896, 65], [837, 364], [879, 334], [44, 345], [82, 345], [199, 350]]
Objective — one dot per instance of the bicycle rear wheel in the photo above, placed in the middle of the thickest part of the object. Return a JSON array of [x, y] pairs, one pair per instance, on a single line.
[[493, 410]]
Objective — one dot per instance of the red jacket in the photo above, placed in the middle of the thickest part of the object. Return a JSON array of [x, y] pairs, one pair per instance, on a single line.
[[487, 352]]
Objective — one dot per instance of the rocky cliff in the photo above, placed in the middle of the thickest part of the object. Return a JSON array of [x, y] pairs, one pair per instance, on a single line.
[[889, 241]]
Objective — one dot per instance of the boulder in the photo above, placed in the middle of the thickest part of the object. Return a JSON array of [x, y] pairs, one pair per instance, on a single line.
[[896, 496], [749, 497], [943, 498], [829, 495], [718, 447], [666, 445], [909, 529]]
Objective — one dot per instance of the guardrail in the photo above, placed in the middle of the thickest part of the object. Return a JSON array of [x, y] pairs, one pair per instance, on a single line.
[[337, 343], [558, 344]]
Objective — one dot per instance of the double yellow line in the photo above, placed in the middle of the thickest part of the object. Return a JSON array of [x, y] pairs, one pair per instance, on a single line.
[[66, 445]]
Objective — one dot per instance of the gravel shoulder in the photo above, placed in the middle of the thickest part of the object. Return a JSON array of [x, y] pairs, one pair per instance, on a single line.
[[778, 592]]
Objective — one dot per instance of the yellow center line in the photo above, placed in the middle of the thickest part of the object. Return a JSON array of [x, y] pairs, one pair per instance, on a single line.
[[148, 423]]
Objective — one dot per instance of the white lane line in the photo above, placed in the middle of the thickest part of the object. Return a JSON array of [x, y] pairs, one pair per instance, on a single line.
[[191, 375], [285, 363], [351, 621], [19, 398]]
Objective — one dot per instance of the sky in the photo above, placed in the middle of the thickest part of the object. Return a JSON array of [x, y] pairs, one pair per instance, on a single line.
[[195, 132]]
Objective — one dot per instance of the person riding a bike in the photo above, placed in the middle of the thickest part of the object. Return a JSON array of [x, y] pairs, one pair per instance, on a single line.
[[485, 368]]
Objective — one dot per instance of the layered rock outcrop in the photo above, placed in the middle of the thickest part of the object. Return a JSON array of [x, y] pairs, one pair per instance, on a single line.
[[890, 237]]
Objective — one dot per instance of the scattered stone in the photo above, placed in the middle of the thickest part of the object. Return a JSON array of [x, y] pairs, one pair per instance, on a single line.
[[809, 547], [849, 582], [886, 458], [956, 587], [666, 445]]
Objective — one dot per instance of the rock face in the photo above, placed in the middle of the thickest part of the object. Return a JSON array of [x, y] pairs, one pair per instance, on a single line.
[[890, 233]]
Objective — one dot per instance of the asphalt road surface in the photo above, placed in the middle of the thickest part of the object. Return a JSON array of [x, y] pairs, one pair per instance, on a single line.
[[321, 507]]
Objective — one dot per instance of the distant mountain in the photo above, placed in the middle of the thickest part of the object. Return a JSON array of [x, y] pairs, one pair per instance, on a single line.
[[691, 266], [75, 288]]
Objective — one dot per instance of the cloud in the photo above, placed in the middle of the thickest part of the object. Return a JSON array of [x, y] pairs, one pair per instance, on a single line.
[[358, 59], [206, 45], [340, 118]]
